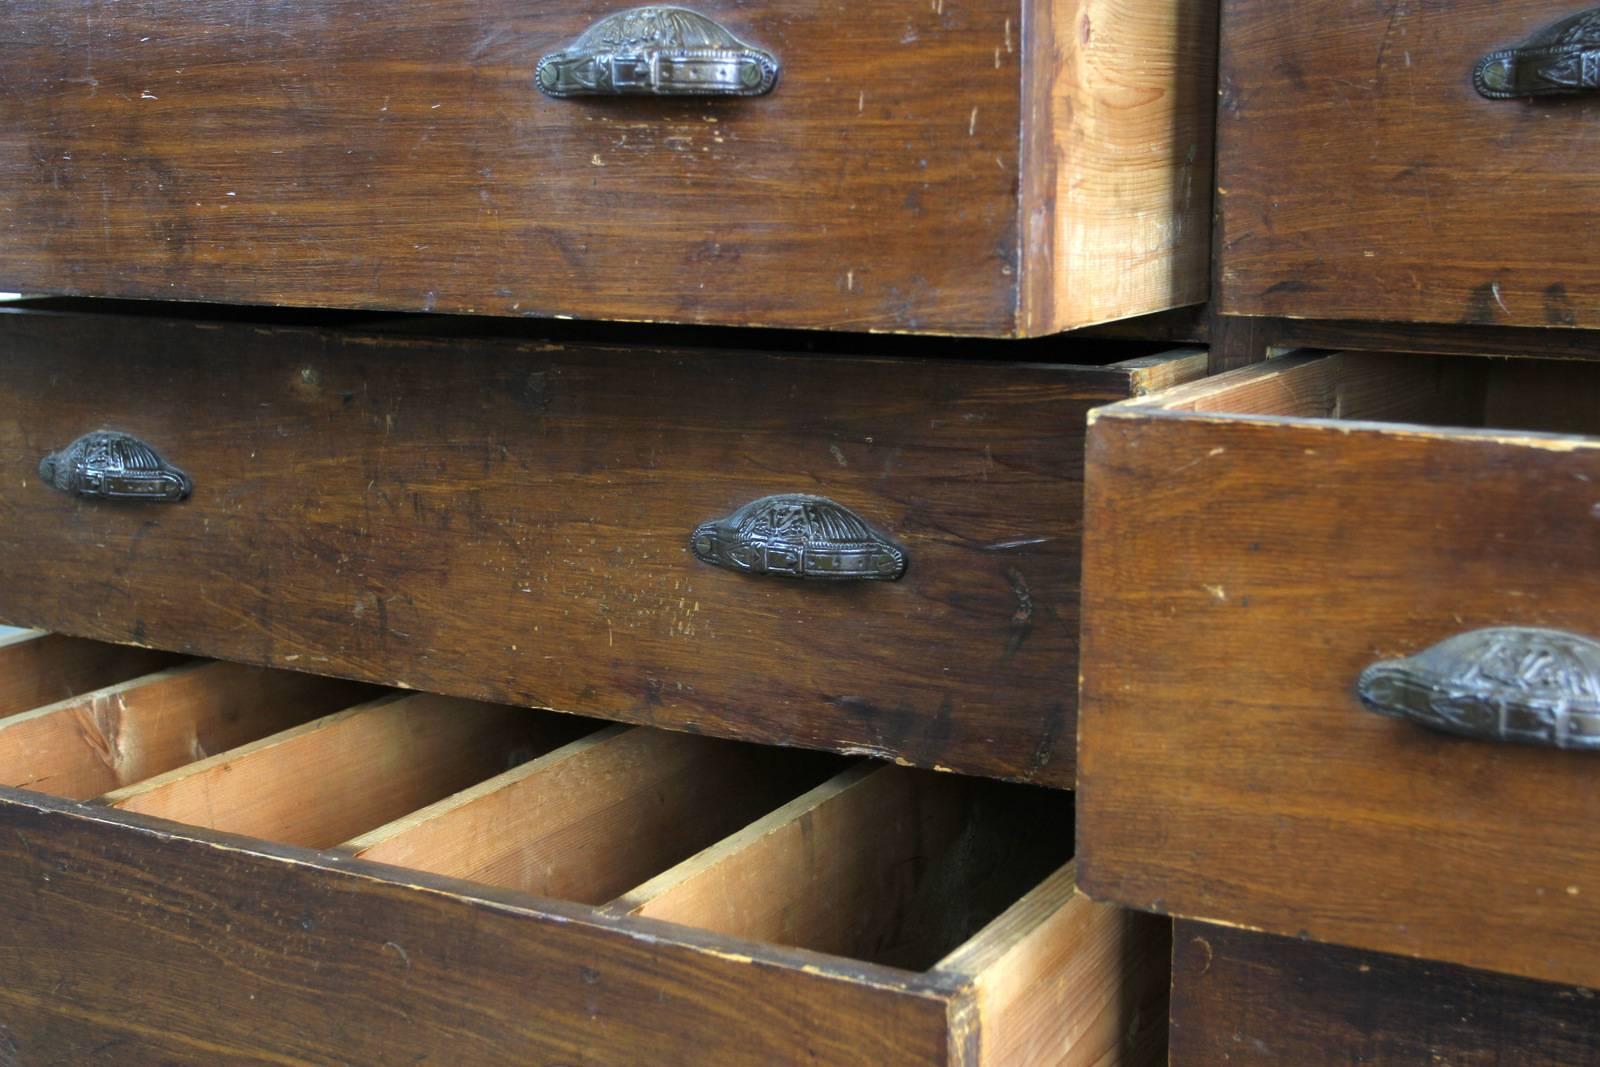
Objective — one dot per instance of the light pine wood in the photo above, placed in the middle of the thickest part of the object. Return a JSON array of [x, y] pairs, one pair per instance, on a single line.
[[1059, 979], [39, 668], [1117, 202], [113, 737], [327, 781], [870, 864], [597, 816]]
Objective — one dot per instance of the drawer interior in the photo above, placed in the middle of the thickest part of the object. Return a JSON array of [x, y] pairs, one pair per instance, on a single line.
[[1535, 395], [874, 862]]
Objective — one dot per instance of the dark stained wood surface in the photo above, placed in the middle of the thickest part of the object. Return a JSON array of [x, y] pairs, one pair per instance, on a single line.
[[309, 153], [1252, 1000], [510, 523], [1363, 177], [1242, 570], [130, 941], [38, 669]]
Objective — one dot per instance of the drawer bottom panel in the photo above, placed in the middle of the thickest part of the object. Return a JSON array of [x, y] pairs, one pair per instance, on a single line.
[[218, 863]]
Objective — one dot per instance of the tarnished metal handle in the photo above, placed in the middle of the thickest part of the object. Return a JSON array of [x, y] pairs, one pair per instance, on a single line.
[[1513, 683], [107, 465], [799, 536], [1559, 60], [657, 51]]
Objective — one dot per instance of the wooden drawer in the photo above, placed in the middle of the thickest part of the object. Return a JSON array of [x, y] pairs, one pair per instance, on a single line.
[[1440, 204], [423, 879], [989, 167], [1255, 543], [512, 522], [1253, 1000]]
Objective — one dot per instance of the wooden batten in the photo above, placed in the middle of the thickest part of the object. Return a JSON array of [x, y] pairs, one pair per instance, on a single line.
[[597, 816], [39, 668], [329, 780], [122, 734], [866, 865]]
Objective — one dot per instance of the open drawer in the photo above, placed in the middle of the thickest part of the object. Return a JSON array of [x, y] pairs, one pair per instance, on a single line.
[[222, 863], [1274, 555]]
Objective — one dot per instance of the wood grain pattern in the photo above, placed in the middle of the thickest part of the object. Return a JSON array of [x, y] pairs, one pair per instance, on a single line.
[[595, 818], [40, 668], [122, 734], [509, 522], [1241, 571], [1362, 176], [329, 780], [306, 153], [1259, 1001], [301, 957], [880, 863], [1062, 980]]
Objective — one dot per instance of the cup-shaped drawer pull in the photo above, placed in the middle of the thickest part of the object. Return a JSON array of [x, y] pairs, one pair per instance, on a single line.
[[106, 465], [1513, 683], [793, 535], [657, 51], [1560, 59]]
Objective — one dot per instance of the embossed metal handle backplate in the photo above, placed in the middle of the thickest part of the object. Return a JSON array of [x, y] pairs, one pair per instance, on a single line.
[[1511, 683], [106, 465], [658, 51], [1558, 60], [799, 536]]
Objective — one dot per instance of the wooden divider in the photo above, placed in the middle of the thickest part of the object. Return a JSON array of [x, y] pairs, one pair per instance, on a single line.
[[602, 814], [39, 668], [881, 863], [328, 781], [107, 738]]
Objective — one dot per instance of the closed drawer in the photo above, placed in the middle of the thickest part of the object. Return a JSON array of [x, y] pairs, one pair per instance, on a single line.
[[1256, 544], [1444, 205], [423, 879], [513, 523], [988, 167], [1259, 1001]]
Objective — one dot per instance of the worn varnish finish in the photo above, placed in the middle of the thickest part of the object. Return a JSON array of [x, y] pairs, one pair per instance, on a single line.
[[1362, 176], [307, 153], [511, 523], [1254, 1000], [1242, 568]]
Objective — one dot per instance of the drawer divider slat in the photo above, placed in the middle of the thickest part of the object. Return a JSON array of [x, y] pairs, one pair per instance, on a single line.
[[40, 668]]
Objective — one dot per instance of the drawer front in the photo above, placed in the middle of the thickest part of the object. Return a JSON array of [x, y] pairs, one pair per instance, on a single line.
[[1365, 177], [310, 154], [422, 879], [1248, 558], [1260, 1001], [514, 523]]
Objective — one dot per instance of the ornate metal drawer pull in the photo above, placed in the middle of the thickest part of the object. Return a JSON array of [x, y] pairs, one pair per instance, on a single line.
[[798, 536], [1513, 683], [106, 465], [1560, 59], [658, 51]]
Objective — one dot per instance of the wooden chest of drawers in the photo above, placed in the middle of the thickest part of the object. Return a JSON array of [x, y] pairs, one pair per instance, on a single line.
[[1270, 551], [991, 167], [525, 523], [265, 878]]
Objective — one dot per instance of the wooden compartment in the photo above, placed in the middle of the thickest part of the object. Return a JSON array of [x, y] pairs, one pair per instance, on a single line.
[[994, 167], [1255, 543], [462, 516], [701, 901]]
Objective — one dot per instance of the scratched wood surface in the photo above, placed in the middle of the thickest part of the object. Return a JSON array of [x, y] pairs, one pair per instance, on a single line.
[[308, 153], [1253, 1000], [1242, 568], [511, 523], [1362, 176]]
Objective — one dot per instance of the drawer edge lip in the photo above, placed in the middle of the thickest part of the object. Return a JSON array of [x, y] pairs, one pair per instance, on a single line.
[[929, 985]]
